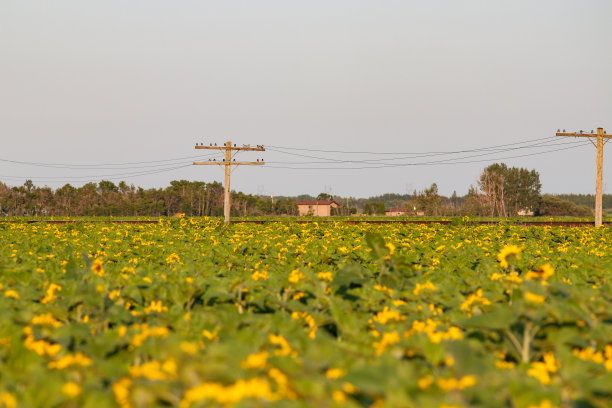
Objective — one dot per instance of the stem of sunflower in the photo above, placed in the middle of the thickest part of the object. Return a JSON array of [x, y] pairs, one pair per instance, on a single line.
[[527, 336], [514, 341]]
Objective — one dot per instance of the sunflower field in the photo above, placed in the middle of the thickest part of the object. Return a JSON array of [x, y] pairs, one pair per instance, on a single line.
[[195, 313]]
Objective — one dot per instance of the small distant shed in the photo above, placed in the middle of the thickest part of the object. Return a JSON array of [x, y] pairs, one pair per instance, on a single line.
[[317, 208]]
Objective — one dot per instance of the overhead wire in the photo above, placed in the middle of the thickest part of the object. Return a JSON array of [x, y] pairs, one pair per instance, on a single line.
[[412, 153], [438, 162], [114, 176], [270, 147], [536, 145], [148, 167], [106, 166], [164, 165]]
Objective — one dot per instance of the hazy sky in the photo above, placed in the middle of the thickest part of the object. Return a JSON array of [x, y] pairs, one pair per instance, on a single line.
[[105, 82]]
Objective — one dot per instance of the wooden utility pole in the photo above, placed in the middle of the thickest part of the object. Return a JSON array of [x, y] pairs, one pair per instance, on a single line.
[[600, 136], [227, 162]]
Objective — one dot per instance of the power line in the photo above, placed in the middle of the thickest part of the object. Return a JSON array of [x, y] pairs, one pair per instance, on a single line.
[[432, 163], [536, 145], [148, 169], [408, 153], [452, 159], [103, 166], [114, 176]]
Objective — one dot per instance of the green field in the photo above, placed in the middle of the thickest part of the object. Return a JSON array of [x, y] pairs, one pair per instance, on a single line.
[[192, 313]]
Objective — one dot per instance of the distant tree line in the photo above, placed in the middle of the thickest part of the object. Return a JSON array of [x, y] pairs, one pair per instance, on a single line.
[[554, 206], [500, 191], [193, 198], [587, 200]]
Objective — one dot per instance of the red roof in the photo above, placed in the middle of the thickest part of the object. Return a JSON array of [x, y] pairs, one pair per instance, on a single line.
[[317, 202], [396, 209]]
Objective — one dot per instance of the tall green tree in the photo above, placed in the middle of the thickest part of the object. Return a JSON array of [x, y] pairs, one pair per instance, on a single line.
[[505, 191], [325, 196], [374, 208], [427, 200]]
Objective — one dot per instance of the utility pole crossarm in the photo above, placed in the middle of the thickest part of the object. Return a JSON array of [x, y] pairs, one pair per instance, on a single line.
[[252, 149], [576, 134], [232, 163]]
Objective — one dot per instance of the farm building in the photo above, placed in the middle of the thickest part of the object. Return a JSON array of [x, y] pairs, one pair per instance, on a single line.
[[317, 208], [396, 211]]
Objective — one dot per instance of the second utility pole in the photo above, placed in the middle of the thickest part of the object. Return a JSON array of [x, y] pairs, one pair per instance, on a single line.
[[600, 135], [227, 162]]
